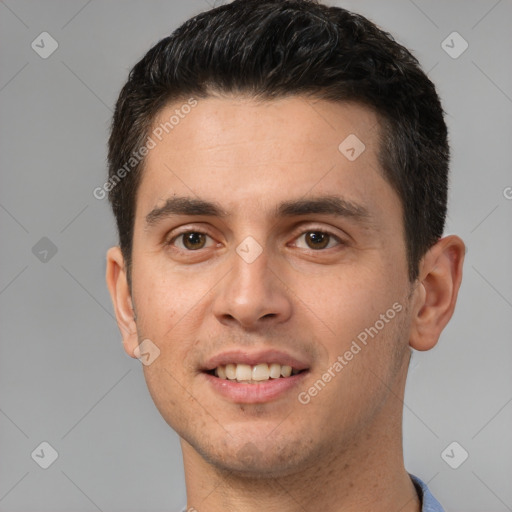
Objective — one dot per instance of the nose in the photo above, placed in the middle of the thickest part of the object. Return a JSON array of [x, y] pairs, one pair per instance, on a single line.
[[252, 295]]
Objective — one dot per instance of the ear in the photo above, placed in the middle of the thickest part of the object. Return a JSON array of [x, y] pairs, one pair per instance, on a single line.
[[440, 275], [117, 284]]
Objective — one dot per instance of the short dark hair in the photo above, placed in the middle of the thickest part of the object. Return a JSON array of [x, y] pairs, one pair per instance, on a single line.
[[268, 49]]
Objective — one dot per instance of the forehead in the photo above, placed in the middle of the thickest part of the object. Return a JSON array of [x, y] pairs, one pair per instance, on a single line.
[[282, 125], [267, 152]]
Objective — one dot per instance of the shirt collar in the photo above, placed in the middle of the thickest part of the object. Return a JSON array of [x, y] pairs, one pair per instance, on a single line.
[[428, 502]]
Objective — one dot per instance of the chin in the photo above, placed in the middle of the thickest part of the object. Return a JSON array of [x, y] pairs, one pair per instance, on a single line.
[[248, 464], [256, 456]]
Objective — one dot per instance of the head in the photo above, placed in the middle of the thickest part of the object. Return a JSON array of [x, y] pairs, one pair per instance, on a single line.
[[283, 187]]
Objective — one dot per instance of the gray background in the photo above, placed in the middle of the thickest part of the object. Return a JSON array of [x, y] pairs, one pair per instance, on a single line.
[[64, 377]]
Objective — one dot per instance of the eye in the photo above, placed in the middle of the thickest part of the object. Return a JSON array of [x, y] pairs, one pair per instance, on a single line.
[[315, 239], [190, 240], [318, 240]]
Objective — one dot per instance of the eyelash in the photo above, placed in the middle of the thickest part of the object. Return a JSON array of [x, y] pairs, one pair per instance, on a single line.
[[340, 242]]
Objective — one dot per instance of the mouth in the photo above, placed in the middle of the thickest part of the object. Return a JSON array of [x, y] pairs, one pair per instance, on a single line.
[[254, 374], [267, 375]]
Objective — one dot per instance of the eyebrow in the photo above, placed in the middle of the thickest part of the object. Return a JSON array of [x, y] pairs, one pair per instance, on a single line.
[[327, 205]]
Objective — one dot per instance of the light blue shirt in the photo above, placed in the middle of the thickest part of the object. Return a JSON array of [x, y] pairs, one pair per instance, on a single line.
[[428, 502]]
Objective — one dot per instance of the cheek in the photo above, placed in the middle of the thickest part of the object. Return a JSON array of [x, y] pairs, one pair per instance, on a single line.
[[349, 301], [163, 298], [157, 309], [366, 338], [171, 309], [364, 312]]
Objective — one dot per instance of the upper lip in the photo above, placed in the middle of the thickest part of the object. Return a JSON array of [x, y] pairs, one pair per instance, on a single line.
[[254, 358]]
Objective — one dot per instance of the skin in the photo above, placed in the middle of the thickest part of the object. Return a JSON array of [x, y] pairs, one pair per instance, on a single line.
[[343, 450]]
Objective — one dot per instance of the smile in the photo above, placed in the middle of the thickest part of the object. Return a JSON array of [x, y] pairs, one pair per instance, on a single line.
[[253, 374]]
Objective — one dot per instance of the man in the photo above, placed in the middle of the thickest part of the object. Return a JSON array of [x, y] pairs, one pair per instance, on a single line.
[[278, 173]]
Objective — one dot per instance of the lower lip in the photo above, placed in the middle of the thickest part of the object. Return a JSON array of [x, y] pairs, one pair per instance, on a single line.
[[265, 391]]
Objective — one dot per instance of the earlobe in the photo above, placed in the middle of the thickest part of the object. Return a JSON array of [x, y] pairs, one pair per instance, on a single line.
[[117, 284], [440, 275]]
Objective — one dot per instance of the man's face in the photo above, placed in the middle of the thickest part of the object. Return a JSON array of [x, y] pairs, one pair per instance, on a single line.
[[271, 279]]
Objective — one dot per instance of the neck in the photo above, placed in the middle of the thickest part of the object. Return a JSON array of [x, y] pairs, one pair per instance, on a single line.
[[364, 475]]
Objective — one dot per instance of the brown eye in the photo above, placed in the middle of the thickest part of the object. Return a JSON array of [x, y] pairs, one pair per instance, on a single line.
[[193, 240], [318, 240], [190, 241]]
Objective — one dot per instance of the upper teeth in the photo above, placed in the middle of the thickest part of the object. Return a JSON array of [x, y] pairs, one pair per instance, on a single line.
[[258, 372]]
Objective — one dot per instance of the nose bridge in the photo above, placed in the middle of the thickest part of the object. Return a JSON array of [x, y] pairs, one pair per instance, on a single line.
[[252, 293], [251, 268]]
